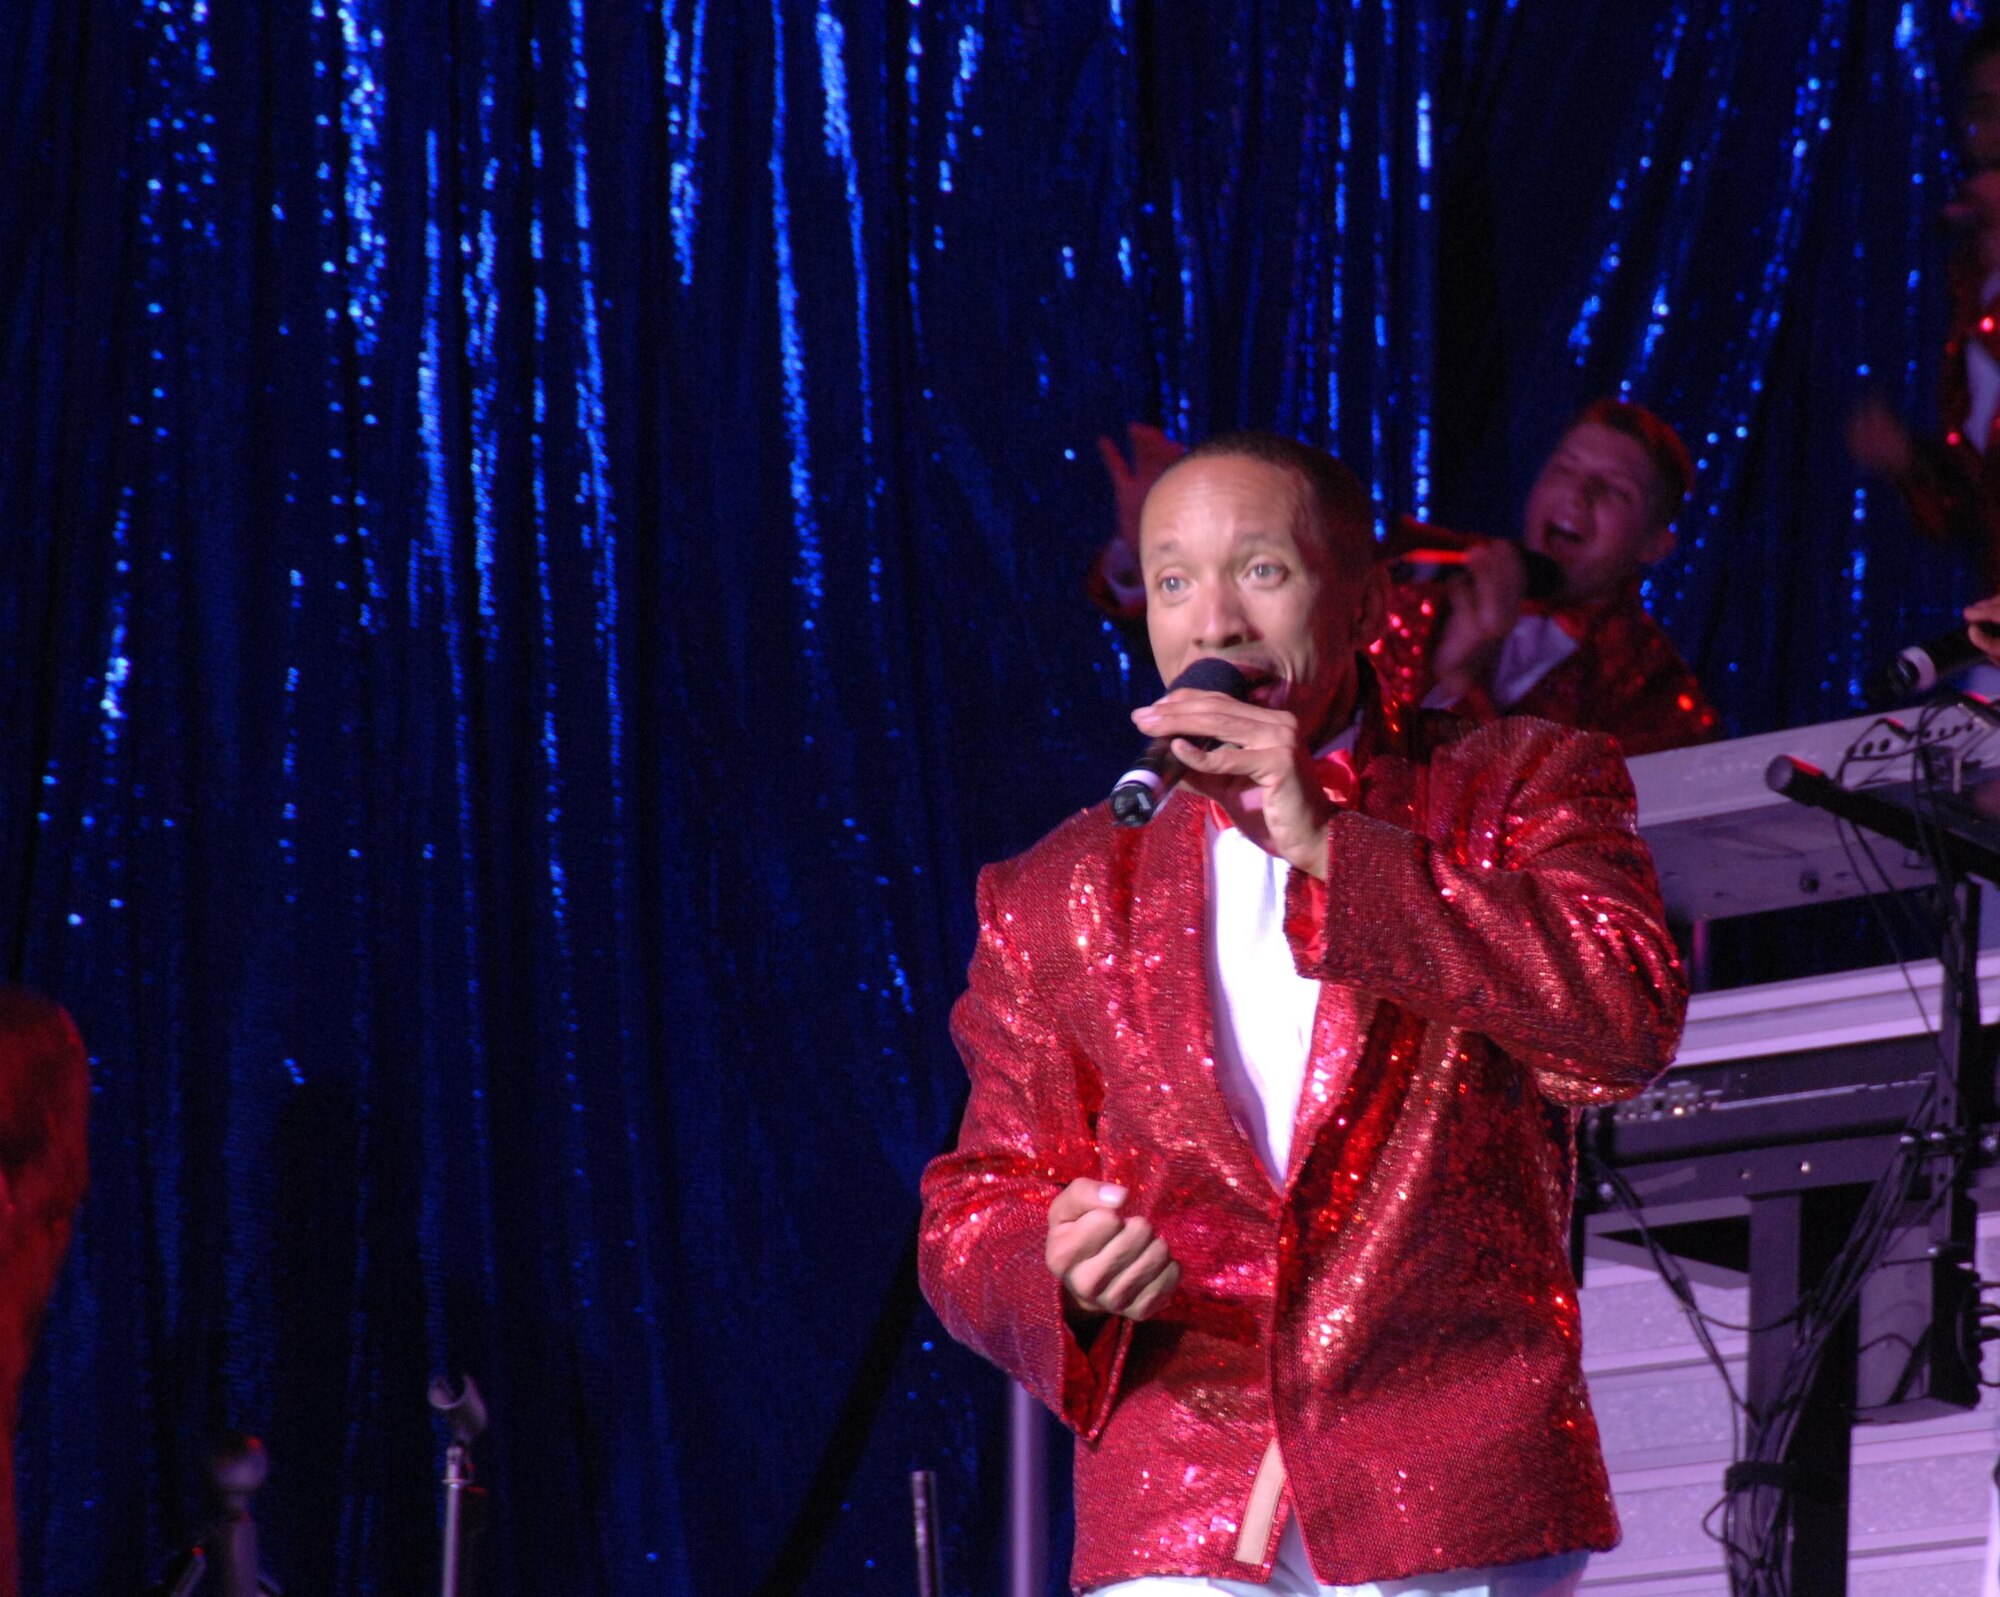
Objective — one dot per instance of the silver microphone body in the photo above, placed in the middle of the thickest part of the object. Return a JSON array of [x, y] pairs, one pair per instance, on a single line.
[[1137, 795]]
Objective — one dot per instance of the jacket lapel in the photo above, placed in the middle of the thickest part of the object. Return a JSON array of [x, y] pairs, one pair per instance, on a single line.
[[1170, 996], [1345, 1015], [1340, 1037], [1167, 879]]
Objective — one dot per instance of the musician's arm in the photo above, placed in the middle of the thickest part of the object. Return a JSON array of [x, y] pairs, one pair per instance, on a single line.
[[1527, 911]]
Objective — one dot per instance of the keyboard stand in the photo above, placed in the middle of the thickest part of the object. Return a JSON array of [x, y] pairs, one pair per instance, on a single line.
[[1785, 1212]]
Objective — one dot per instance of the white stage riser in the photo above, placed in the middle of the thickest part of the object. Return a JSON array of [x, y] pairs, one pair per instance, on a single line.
[[1922, 1491]]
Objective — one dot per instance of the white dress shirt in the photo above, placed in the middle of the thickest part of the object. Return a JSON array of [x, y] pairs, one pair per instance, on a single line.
[[1534, 647], [1263, 1007], [1264, 1013], [1982, 380]]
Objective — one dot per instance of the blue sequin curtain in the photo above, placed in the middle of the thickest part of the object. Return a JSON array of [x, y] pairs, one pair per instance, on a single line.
[[1730, 212], [546, 540]]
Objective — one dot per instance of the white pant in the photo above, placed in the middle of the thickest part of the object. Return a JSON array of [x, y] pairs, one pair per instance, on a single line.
[[1292, 1576]]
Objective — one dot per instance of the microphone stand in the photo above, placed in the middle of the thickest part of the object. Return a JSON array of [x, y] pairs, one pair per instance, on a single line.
[[237, 1470], [464, 1410], [930, 1554]]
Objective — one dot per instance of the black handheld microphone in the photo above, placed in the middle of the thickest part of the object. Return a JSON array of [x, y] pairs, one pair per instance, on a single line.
[[1140, 791], [1545, 577], [1921, 666]]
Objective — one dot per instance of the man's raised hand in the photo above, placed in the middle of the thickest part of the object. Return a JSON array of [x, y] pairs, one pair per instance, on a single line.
[[1987, 611], [1152, 452], [1262, 774], [1485, 603], [1109, 1263]]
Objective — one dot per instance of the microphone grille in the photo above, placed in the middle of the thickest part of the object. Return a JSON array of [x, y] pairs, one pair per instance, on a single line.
[[1545, 577], [1212, 675]]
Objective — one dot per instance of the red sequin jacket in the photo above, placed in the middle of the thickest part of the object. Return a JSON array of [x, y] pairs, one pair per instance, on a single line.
[[1626, 678], [1400, 1320]]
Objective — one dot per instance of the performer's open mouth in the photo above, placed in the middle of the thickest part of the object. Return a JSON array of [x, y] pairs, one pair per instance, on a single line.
[[1559, 539], [1266, 686]]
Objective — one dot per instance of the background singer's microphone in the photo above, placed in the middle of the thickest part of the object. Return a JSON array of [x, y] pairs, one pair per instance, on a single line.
[[1141, 790], [1545, 576], [1921, 666]]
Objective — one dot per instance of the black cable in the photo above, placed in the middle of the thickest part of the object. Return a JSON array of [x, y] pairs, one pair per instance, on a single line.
[[1755, 1570], [819, 1511], [1755, 1532], [1676, 1281]]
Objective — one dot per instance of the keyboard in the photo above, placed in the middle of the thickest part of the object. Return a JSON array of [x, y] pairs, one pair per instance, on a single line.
[[1725, 844]]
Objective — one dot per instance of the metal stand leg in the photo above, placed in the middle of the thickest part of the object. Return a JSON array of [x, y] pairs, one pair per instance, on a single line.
[[1027, 1495], [930, 1554], [464, 1410], [1793, 1236]]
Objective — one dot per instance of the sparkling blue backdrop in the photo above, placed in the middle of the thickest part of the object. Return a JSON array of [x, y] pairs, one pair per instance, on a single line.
[[545, 541]]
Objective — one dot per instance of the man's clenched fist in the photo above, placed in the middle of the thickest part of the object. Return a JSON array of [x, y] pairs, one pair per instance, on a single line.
[[1109, 1263]]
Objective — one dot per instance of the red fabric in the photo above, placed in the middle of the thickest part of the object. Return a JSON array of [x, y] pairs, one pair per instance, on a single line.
[[1625, 679], [1128, 617], [44, 1104], [1401, 1317]]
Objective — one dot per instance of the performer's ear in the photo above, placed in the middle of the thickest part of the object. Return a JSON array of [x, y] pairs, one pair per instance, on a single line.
[[1371, 604], [1658, 545]]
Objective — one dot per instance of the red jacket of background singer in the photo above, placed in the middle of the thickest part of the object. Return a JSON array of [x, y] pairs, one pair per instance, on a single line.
[[1626, 678], [1401, 1318]]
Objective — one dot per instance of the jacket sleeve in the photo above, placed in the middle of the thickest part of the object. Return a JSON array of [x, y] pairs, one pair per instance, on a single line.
[[1029, 1131], [1529, 913], [1401, 655], [1941, 492], [1116, 586], [1669, 710]]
